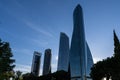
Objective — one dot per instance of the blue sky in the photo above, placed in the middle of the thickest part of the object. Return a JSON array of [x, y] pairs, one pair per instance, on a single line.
[[35, 25]]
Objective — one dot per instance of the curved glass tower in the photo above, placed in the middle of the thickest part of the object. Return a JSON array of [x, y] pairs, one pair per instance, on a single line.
[[78, 45], [80, 55], [89, 61], [63, 58]]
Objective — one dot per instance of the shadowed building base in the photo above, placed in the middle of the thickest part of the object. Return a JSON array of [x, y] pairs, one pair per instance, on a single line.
[[79, 78], [76, 78]]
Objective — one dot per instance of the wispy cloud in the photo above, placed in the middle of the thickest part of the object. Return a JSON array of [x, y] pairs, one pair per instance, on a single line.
[[39, 42], [18, 4], [96, 59], [23, 51], [23, 68], [27, 69], [56, 58], [54, 67], [54, 63], [38, 29]]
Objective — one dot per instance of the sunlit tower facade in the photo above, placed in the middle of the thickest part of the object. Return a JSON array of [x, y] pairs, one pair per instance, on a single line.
[[36, 63], [80, 55], [47, 62], [89, 61], [63, 56]]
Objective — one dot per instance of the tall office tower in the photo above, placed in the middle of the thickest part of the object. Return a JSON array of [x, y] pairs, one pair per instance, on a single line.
[[36, 63], [78, 47], [47, 62], [63, 57], [89, 61]]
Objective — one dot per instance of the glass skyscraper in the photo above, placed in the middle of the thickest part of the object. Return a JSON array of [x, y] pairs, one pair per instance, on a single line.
[[79, 50], [63, 57], [36, 63], [89, 61], [47, 62]]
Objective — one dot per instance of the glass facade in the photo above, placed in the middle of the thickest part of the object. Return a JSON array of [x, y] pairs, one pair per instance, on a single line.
[[89, 61], [79, 50], [47, 62], [36, 63], [63, 57]]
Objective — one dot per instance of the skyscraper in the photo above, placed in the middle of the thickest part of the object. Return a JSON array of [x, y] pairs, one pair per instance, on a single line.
[[89, 61], [63, 57], [36, 63], [79, 50], [47, 62]]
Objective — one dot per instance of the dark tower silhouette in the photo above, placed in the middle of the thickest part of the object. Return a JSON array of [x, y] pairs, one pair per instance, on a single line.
[[47, 62], [63, 57], [36, 63], [78, 45]]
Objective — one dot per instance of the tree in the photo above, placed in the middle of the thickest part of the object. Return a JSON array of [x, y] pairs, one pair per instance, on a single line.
[[97, 71], [110, 67], [29, 76], [6, 61], [116, 46], [116, 70], [18, 75], [59, 75]]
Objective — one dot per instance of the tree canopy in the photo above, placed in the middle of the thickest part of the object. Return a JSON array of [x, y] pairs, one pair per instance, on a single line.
[[59, 75], [109, 67], [6, 61]]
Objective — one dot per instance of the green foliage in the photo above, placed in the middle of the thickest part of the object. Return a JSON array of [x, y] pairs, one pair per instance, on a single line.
[[109, 67], [59, 75], [101, 69], [6, 63], [18, 75], [116, 46], [29, 76]]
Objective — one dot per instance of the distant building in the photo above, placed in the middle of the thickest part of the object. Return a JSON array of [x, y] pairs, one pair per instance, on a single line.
[[36, 63], [47, 62], [63, 56]]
